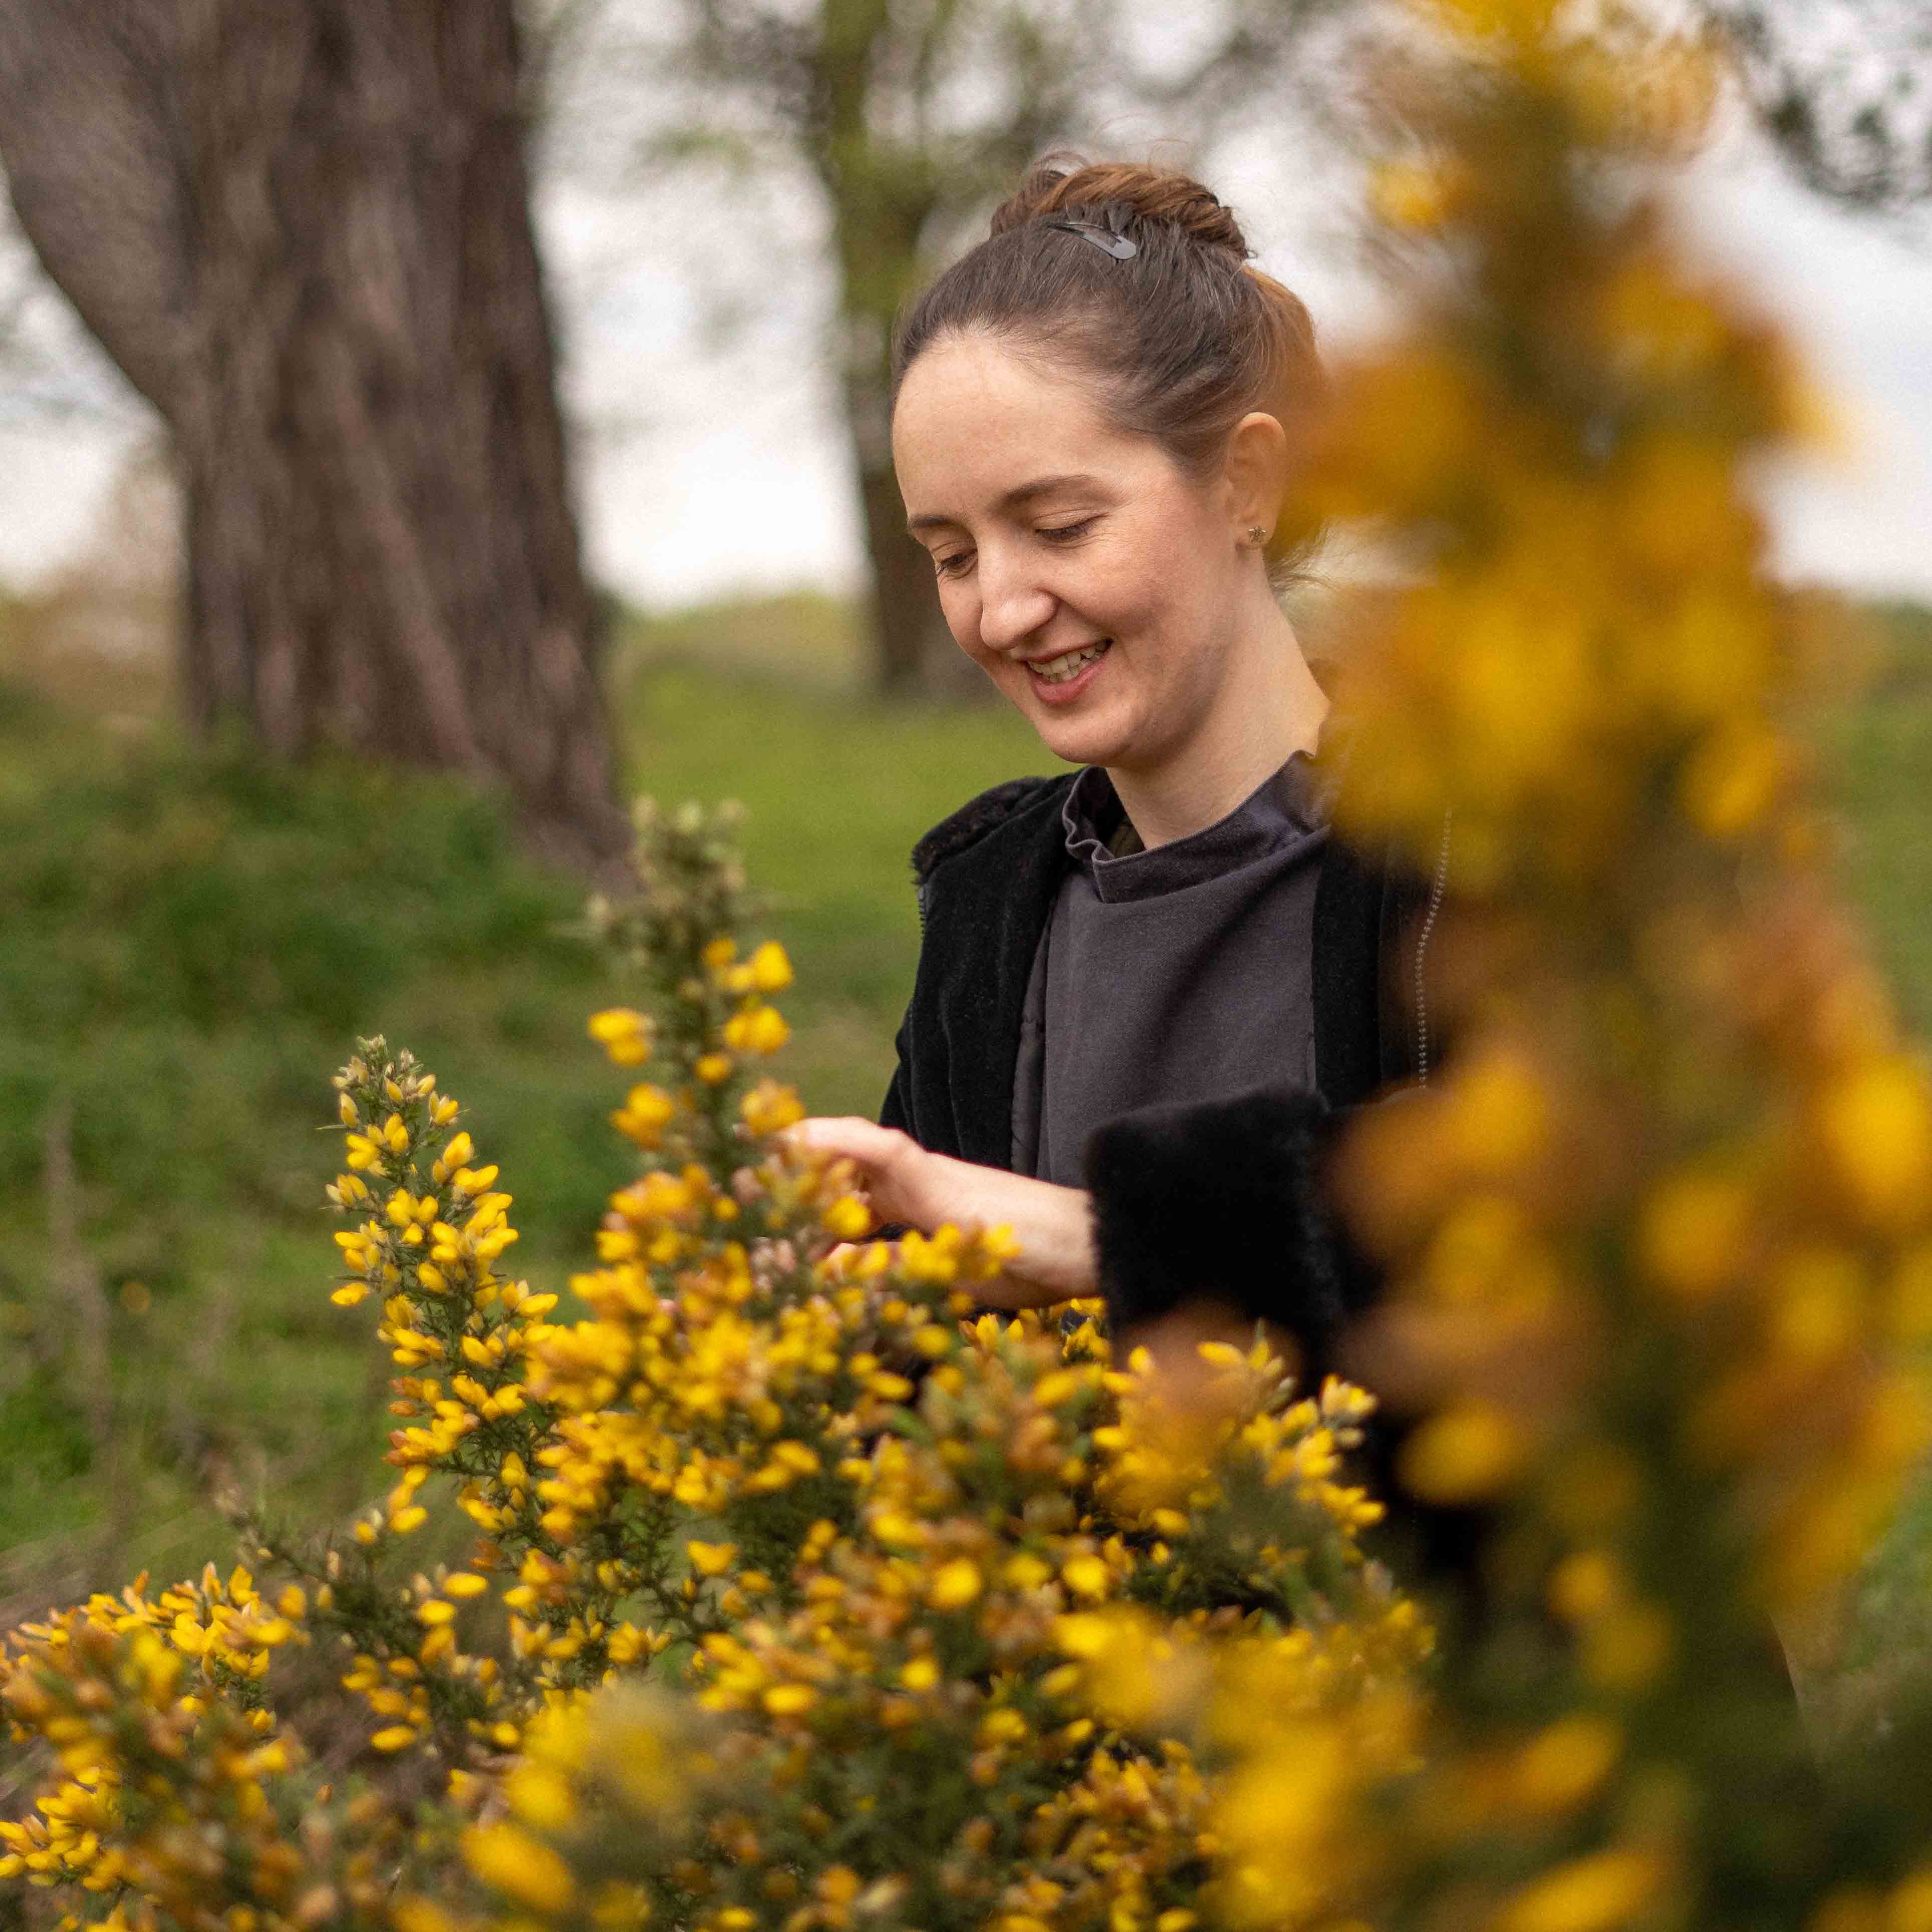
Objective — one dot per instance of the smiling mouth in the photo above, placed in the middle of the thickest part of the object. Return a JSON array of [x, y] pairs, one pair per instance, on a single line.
[[1070, 664]]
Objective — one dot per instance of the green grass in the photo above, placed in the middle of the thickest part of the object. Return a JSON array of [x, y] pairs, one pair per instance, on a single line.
[[835, 792], [803, 637], [193, 944], [1876, 749], [192, 941]]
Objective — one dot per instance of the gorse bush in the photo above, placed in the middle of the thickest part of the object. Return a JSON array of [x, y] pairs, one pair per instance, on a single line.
[[804, 1597], [882, 1543]]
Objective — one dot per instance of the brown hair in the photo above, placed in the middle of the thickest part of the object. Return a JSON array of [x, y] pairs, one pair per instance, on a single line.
[[1183, 338]]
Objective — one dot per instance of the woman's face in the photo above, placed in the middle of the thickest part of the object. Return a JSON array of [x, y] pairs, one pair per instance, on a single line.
[[1095, 584]]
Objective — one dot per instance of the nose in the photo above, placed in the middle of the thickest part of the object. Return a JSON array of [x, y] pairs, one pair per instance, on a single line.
[[1013, 603]]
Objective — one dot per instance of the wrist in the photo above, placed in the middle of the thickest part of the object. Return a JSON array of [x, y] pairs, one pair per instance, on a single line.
[[1054, 1226], [917, 1189]]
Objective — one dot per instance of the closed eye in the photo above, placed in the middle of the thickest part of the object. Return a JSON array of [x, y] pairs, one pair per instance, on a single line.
[[1067, 533], [955, 564]]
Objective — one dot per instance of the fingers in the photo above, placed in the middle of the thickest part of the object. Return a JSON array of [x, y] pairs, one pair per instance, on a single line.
[[840, 1261], [850, 1137], [887, 1163]]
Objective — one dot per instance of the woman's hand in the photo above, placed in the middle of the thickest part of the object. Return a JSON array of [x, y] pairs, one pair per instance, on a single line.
[[904, 1183]]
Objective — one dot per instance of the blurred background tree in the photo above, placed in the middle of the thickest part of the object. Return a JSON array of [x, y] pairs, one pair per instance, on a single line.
[[303, 234], [909, 122], [1844, 88]]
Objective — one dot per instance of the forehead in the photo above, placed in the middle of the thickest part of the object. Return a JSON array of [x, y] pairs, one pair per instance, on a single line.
[[976, 418]]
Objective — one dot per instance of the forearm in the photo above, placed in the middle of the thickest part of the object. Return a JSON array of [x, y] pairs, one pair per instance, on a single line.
[[1054, 1227], [906, 1186]]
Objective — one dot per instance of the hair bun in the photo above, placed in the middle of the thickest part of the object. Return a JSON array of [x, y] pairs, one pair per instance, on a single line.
[[1062, 184], [1177, 340]]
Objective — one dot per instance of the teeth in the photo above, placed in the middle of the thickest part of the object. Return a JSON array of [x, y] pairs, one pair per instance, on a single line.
[[1057, 670]]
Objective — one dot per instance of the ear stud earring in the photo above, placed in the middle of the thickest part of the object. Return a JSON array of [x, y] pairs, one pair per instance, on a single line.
[[1257, 535]]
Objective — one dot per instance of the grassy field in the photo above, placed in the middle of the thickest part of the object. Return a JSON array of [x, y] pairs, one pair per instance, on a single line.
[[835, 793], [1877, 753], [193, 943]]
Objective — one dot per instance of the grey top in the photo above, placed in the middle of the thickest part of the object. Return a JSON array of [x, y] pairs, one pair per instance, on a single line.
[[1182, 973]]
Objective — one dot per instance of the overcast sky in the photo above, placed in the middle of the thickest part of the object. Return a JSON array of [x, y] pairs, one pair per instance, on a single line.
[[711, 459]]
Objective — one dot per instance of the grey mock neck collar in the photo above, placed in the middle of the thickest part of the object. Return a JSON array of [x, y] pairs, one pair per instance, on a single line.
[[1288, 808]]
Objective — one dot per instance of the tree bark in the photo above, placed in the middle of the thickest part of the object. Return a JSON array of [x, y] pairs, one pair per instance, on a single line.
[[914, 650], [916, 657], [881, 200], [304, 233]]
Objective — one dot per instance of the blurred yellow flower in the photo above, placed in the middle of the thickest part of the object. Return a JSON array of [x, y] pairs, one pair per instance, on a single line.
[[954, 1585], [1462, 1455], [521, 1868], [1595, 1894], [1875, 1126]]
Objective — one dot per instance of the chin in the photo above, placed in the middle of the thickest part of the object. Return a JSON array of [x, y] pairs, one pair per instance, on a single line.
[[1082, 741], [1090, 733]]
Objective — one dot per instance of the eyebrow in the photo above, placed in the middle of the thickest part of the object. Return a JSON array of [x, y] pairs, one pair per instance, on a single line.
[[1016, 498]]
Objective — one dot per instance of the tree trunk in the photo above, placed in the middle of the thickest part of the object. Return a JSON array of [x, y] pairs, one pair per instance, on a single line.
[[879, 207], [916, 657], [304, 233]]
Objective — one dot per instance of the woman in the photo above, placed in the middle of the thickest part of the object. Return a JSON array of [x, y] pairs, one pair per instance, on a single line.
[[1146, 992]]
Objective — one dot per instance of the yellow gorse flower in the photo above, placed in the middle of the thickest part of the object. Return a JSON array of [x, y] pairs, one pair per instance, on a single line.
[[855, 1511], [806, 1594]]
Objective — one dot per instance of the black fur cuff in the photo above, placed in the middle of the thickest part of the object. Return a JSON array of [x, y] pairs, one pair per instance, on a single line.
[[1224, 1201]]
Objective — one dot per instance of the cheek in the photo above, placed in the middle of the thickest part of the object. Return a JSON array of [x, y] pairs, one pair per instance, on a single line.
[[1151, 586], [960, 609], [1142, 599]]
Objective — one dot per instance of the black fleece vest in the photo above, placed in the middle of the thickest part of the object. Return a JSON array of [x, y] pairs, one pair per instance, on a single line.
[[1225, 1200], [987, 878]]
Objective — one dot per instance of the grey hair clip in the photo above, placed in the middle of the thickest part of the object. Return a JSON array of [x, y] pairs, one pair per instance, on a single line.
[[1111, 240]]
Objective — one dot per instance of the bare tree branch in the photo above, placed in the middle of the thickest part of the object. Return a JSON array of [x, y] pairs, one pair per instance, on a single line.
[[95, 176], [1844, 89]]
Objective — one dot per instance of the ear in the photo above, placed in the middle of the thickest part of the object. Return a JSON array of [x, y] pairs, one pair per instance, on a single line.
[[1255, 473]]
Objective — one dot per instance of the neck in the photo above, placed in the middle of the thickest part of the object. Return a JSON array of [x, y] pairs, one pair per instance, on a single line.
[[1269, 707]]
